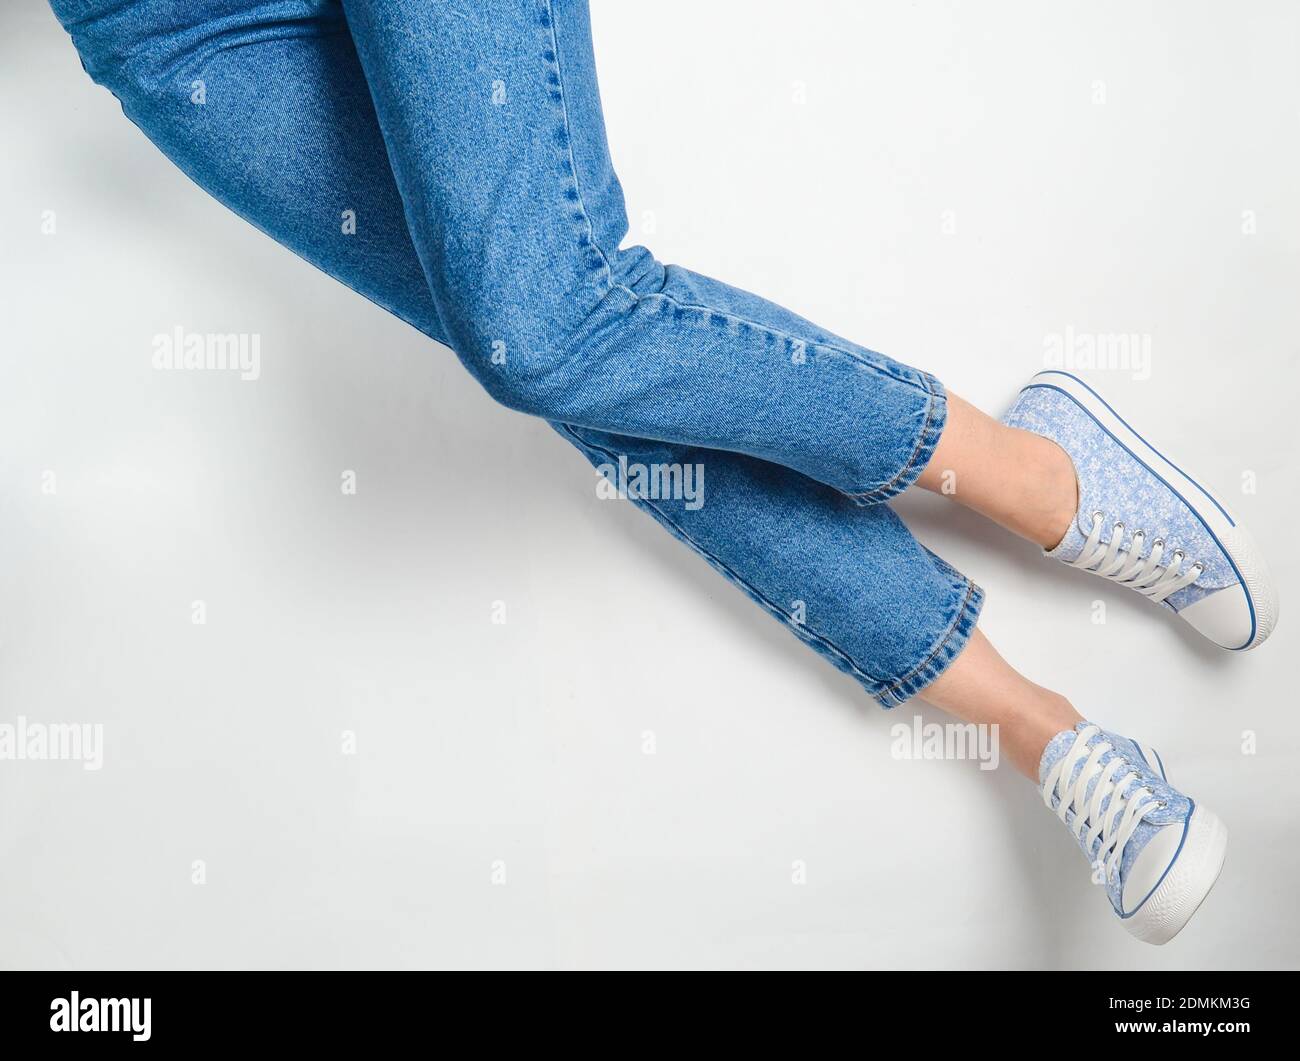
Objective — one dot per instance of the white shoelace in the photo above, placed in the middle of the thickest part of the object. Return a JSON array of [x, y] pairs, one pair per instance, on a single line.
[[1124, 811], [1124, 564]]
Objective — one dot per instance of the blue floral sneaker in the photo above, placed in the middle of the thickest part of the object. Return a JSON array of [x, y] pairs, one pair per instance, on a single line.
[[1158, 852], [1144, 523]]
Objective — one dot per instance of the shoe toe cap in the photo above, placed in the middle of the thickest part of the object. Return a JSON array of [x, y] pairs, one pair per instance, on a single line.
[[1225, 617]]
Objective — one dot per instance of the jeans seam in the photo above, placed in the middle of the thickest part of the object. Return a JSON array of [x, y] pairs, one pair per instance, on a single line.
[[757, 594], [637, 299], [563, 107], [887, 489], [971, 589], [924, 386], [812, 344]]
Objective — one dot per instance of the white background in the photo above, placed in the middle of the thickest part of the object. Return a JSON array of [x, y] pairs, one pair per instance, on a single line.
[[804, 151]]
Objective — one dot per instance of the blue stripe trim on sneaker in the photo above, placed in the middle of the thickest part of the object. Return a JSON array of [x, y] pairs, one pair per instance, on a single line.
[[1119, 442], [1187, 824], [1081, 383], [1161, 762]]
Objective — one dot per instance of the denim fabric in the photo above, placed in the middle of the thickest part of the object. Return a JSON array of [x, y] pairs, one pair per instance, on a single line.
[[469, 140]]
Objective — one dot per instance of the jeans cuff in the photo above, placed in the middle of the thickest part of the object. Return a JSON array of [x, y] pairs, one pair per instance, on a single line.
[[948, 648], [936, 415]]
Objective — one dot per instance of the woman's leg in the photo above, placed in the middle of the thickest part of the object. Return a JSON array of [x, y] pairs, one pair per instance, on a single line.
[[982, 687], [1066, 471], [289, 141], [492, 120], [1020, 480], [286, 136], [491, 116]]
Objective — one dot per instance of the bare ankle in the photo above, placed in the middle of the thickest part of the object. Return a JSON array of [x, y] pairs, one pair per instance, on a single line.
[[1018, 479], [1052, 490]]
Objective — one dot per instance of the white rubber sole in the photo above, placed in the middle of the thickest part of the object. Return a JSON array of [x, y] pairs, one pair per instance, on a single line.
[[1188, 882], [1257, 586]]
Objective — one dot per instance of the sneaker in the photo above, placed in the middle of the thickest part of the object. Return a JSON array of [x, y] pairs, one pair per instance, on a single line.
[[1146, 524], [1157, 852]]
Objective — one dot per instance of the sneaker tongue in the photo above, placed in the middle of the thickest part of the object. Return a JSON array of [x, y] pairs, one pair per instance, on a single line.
[[1069, 547], [1153, 818], [1055, 750], [1090, 501], [1059, 745]]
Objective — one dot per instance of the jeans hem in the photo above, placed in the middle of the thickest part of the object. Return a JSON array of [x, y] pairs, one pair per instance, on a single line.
[[828, 649], [936, 417], [948, 648], [969, 598]]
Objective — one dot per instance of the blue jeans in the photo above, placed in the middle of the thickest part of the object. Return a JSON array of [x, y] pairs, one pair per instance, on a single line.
[[466, 143]]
